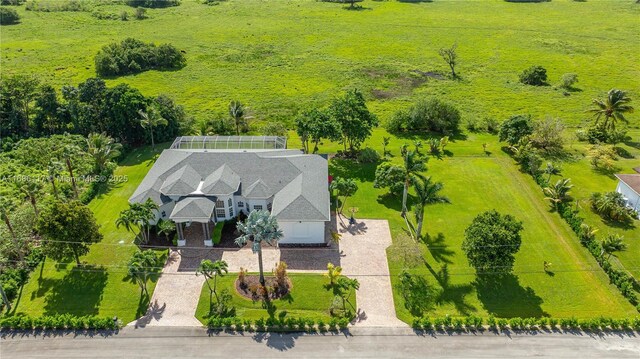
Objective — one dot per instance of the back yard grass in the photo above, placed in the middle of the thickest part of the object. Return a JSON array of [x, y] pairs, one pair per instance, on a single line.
[[309, 298], [101, 287]]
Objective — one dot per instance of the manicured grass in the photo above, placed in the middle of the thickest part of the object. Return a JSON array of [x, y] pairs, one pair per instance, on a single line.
[[102, 287], [587, 181], [279, 57], [309, 298]]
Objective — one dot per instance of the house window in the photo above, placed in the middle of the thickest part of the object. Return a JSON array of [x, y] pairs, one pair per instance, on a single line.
[[257, 208], [164, 214], [220, 213], [220, 203], [230, 212], [269, 207], [240, 204], [230, 203]]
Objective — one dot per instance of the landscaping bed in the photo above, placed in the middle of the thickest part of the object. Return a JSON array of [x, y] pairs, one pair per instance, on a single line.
[[252, 289]]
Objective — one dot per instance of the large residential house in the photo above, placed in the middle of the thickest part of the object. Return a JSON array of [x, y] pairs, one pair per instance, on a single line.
[[205, 180]]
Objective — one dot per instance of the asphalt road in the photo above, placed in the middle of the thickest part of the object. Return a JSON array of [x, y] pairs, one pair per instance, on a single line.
[[371, 343]]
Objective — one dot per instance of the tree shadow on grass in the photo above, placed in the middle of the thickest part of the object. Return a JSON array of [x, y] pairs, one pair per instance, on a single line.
[[394, 202], [503, 296], [438, 248], [452, 293], [78, 293], [364, 172]]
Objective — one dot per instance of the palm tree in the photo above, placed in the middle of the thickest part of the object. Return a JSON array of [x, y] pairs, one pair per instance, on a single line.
[[587, 233], [259, 227], [141, 266], [6, 205], [333, 273], [237, 112], [551, 169], [612, 109], [53, 169], [166, 228], [344, 287], [427, 193], [68, 152], [138, 215], [613, 243], [413, 166], [559, 192], [151, 119], [103, 149], [31, 190], [211, 270]]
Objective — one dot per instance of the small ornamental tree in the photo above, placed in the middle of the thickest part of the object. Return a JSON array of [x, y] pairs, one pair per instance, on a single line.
[[353, 118], [491, 242], [389, 176], [211, 270], [534, 75], [315, 125], [68, 230], [344, 187], [141, 266]]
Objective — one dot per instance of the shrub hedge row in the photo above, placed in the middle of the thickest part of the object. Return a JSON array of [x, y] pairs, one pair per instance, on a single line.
[[288, 324], [59, 321], [472, 323]]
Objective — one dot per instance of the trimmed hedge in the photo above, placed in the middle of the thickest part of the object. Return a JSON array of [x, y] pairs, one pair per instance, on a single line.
[[59, 321], [473, 323], [288, 324]]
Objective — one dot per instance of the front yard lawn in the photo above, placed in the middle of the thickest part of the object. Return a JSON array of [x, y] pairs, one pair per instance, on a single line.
[[308, 298]]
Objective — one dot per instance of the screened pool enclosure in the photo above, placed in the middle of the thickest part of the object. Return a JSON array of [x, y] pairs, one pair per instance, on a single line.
[[229, 142]]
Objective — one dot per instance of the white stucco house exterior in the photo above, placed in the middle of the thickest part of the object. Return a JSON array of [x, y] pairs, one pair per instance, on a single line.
[[629, 187], [206, 180]]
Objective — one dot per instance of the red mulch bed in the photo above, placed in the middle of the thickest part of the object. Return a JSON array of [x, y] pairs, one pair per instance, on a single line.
[[252, 289]]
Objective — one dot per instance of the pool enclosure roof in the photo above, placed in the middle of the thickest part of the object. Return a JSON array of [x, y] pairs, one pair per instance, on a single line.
[[229, 142]]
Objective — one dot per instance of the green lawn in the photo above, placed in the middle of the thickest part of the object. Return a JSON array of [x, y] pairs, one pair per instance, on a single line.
[[101, 288], [308, 298], [280, 56]]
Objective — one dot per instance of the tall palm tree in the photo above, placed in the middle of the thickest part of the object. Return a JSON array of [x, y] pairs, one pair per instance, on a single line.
[[427, 193], [103, 149], [413, 166], [53, 169], [613, 243], [69, 152], [587, 233], [551, 169], [211, 270], [237, 113], [31, 190], [613, 109], [259, 227], [559, 192], [151, 119], [138, 215]]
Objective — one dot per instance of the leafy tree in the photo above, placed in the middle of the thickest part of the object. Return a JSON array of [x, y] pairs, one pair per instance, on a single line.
[[259, 227], [534, 75], [48, 107], [450, 56], [274, 129], [344, 286], [558, 193], [133, 56], [603, 157], [345, 187], [385, 142], [138, 215], [412, 171], [141, 266], [568, 80], [237, 113], [315, 125], [427, 193], [515, 128], [333, 273], [353, 118], [430, 114], [491, 241], [17, 94], [166, 228], [103, 149], [8, 16], [151, 119], [211, 270], [120, 113], [389, 176], [612, 109], [613, 243], [67, 230], [548, 135]]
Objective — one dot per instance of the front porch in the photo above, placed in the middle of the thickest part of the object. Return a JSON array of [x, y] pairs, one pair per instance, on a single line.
[[195, 234], [193, 217]]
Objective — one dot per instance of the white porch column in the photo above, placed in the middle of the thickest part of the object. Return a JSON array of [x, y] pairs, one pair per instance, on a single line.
[[181, 241], [207, 238]]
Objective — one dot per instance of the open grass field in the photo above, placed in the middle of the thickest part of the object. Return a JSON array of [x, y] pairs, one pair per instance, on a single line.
[[101, 287], [309, 298], [281, 56]]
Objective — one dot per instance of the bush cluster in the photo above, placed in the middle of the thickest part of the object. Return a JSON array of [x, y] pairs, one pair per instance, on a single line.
[[153, 3], [426, 115], [287, 324], [12, 279], [473, 323], [59, 321], [534, 75], [8, 16], [56, 5], [133, 56]]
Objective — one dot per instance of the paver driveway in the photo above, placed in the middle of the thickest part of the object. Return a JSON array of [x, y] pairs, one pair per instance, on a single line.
[[361, 254]]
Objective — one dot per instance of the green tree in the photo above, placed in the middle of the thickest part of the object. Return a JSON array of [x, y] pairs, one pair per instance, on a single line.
[[613, 243], [237, 113], [389, 176], [48, 111], [151, 119], [612, 109], [259, 227], [353, 118], [515, 128], [344, 286], [413, 166], [17, 94], [427, 193], [138, 215], [344, 187], [103, 149], [534, 75], [450, 56], [315, 125], [558, 193], [141, 266], [491, 242], [211, 270], [8, 16], [385, 142], [68, 229]]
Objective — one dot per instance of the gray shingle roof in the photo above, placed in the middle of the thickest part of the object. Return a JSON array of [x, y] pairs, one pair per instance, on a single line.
[[222, 181], [193, 208], [297, 182]]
